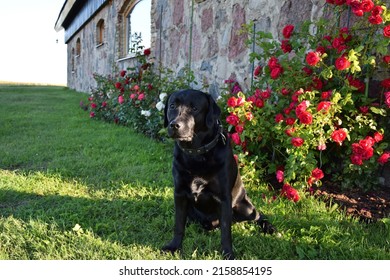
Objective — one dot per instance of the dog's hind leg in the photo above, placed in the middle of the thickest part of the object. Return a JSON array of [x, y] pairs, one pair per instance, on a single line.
[[244, 210]]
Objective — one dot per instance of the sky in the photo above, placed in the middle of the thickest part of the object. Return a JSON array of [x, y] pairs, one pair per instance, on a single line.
[[31, 51]]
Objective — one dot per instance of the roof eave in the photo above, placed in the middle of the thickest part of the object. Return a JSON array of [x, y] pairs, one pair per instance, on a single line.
[[64, 14]]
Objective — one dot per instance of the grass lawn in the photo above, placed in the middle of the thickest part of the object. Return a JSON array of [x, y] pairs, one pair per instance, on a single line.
[[75, 188]]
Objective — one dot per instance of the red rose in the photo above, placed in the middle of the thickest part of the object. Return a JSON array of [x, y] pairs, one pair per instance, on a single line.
[[317, 83], [280, 174], [324, 106], [386, 31], [232, 119], [356, 159], [305, 118], [339, 44], [257, 71], [285, 91], [339, 135], [342, 63], [286, 46], [386, 83], [387, 98], [307, 70], [265, 94], [276, 72], [118, 85], [321, 50], [375, 19], [121, 100], [236, 138], [384, 157], [290, 193], [92, 114], [302, 107], [279, 118], [290, 131], [232, 102], [378, 137], [312, 58], [297, 141], [290, 121], [364, 109], [123, 73], [259, 103], [377, 10], [141, 96], [93, 105], [273, 62], [287, 31], [147, 52], [367, 5], [386, 59], [239, 128], [317, 174], [326, 95], [359, 85]]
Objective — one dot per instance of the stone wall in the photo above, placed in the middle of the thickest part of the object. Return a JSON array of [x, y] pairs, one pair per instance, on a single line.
[[94, 57], [203, 33], [216, 49]]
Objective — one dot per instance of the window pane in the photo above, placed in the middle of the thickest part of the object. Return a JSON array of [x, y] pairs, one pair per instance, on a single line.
[[139, 24]]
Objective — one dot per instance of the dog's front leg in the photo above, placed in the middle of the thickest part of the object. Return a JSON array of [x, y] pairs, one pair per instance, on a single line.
[[226, 226], [181, 208]]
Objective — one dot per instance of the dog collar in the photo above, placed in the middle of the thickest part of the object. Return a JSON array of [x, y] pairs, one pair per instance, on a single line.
[[206, 148]]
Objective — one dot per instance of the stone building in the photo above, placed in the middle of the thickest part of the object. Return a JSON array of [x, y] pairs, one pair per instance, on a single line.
[[202, 34]]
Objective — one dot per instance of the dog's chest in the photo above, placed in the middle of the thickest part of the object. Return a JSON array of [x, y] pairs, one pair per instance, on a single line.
[[199, 188]]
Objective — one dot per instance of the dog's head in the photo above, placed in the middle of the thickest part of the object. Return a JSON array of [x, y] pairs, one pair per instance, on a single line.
[[190, 113]]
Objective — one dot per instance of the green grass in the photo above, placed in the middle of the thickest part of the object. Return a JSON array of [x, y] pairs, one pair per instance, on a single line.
[[75, 188]]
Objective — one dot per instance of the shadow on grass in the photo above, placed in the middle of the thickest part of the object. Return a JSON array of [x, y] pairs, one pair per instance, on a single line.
[[147, 221]]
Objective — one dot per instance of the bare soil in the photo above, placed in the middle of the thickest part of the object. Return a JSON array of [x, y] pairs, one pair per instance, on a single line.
[[368, 206]]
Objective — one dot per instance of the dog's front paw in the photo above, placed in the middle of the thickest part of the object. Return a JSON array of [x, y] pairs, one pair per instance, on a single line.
[[266, 226], [172, 247], [228, 254]]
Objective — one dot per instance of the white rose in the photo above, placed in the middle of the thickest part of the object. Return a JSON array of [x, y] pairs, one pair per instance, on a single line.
[[146, 113], [162, 96], [160, 105]]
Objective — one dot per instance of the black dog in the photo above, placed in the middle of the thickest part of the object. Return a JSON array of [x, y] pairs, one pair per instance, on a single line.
[[208, 186]]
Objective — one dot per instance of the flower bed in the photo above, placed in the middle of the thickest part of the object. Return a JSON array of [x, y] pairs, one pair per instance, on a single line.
[[311, 112]]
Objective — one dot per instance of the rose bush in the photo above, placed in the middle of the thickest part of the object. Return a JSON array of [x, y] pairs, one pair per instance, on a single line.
[[136, 97], [314, 108]]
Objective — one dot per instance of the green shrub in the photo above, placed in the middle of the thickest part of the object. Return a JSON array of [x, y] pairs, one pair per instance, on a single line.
[[310, 112]]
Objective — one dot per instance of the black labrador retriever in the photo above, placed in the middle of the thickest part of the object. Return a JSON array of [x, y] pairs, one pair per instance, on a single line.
[[208, 186]]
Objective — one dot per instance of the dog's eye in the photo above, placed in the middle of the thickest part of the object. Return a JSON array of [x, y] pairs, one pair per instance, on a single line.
[[194, 108], [172, 106]]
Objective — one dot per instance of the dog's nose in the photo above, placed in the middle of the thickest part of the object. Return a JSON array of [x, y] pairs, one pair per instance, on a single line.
[[174, 125]]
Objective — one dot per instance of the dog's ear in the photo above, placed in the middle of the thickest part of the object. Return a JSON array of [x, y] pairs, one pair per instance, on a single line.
[[166, 122], [214, 112]]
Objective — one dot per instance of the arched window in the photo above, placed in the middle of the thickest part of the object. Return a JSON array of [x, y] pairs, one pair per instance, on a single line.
[[72, 60], [137, 25], [100, 32], [78, 47]]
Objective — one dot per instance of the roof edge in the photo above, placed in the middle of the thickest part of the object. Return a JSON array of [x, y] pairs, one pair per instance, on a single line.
[[63, 14]]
